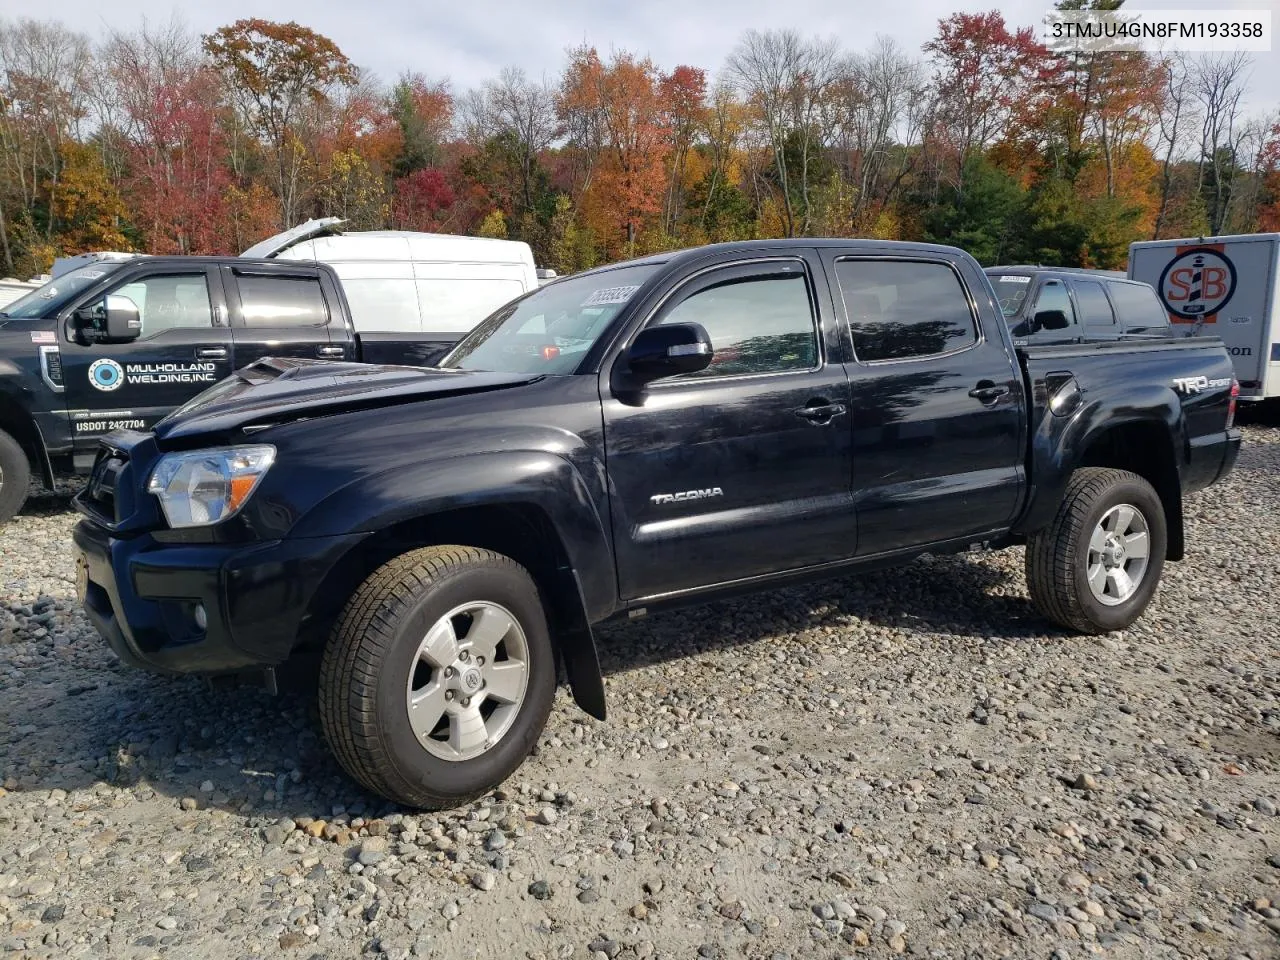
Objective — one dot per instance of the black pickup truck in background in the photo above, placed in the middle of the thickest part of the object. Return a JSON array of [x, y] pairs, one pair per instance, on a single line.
[[1067, 304], [117, 344], [660, 432]]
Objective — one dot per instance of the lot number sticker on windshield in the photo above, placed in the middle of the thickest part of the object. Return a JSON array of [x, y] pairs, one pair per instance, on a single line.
[[610, 295], [1012, 279]]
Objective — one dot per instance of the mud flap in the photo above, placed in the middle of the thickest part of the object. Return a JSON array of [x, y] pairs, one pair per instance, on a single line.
[[577, 646]]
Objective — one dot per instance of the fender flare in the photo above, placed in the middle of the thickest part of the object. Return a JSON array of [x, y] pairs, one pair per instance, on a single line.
[[1059, 446], [583, 588]]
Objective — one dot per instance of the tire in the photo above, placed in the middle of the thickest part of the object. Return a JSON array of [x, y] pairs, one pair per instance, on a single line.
[[15, 477], [391, 644], [1060, 557]]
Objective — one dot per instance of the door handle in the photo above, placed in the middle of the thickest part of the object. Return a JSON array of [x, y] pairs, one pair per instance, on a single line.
[[988, 392], [330, 352], [211, 353], [821, 412]]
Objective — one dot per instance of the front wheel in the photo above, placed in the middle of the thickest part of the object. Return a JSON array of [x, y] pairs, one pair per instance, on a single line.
[[15, 477], [1096, 567], [438, 676]]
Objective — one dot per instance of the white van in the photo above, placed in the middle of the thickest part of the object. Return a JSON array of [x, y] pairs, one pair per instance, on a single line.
[[1226, 287], [404, 282]]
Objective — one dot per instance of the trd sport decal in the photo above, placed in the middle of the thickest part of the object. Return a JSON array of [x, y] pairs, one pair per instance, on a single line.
[[1197, 283], [106, 374]]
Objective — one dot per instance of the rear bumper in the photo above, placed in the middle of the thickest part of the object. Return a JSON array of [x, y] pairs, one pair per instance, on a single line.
[[145, 598]]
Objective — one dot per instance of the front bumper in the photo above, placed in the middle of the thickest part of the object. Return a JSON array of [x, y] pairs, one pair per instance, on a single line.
[[144, 597]]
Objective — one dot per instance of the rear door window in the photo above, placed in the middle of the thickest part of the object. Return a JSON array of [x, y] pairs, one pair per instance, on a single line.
[[904, 309], [267, 301], [1139, 308], [1095, 308]]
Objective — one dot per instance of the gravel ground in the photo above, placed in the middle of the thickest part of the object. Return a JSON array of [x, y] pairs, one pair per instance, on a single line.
[[909, 762]]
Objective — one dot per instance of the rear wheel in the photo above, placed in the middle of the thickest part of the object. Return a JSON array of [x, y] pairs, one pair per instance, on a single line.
[[1096, 567], [438, 677], [15, 477]]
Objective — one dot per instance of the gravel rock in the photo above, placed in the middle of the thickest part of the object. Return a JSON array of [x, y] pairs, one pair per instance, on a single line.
[[906, 761]]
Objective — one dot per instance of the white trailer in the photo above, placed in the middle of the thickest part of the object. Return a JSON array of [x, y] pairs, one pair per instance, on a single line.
[[1226, 287]]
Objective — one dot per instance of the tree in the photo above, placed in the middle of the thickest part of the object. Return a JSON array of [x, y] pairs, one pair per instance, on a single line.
[[623, 98], [424, 112], [787, 80], [1173, 122], [521, 114], [422, 201], [1218, 86], [274, 70], [169, 115], [44, 83], [1269, 173], [881, 106], [988, 218], [90, 211], [351, 190], [984, 76], [683, 92]]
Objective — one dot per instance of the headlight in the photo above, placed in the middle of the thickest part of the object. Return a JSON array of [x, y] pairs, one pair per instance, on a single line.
[[201, 487]]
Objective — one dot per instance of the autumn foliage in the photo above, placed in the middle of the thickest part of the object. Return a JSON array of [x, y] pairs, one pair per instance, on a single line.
[[162, 141]]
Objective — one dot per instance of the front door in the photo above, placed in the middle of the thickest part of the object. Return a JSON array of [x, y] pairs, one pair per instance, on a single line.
[[181, 351], [284, 311], [937, 407], [741, 469]]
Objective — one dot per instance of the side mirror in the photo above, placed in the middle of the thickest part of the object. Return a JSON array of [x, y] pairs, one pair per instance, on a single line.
[[666, 351], [1050, 320], [114, 319]]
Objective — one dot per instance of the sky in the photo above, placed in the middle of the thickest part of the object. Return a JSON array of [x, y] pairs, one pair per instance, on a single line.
[[469, 41]]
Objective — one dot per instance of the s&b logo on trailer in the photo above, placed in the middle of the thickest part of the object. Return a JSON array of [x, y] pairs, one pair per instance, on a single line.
[[1197, 283]]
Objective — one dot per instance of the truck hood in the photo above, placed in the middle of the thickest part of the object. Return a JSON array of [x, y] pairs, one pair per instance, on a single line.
[[279, 390]]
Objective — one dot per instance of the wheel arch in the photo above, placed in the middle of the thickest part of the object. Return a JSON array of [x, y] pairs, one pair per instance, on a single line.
[[1144, 447], [521, 530], [19, 424], [1146, 444]]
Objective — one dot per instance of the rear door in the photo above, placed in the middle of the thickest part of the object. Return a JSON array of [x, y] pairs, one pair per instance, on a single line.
[[185, 346], [288, 310], [938, 411]]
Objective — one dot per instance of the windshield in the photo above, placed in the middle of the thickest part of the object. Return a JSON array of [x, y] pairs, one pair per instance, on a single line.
[[550, 330], [53, 296], [1011, 290]]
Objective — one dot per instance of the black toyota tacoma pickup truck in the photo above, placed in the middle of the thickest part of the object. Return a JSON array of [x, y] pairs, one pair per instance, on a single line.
[[660, 432], [121, 343]]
